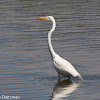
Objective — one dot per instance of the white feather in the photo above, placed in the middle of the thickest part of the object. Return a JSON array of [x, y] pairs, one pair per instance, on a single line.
[[63, 67]]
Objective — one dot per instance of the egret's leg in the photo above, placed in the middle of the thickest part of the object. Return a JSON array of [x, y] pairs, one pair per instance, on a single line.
[[68, 78], [58, 75]]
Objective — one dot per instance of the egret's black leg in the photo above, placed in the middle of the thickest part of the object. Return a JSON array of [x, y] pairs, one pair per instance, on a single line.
[[68, 78], [58, 76]]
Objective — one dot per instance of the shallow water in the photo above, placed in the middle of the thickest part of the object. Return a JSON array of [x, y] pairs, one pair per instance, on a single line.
[[26, 68]]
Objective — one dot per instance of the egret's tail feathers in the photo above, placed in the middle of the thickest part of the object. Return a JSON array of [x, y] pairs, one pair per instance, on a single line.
[[80, 76]]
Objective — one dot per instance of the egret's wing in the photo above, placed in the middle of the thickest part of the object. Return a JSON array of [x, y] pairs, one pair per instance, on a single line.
[[64, 66]]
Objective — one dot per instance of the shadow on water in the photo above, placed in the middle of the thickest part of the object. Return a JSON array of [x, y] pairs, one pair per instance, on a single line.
[[63, 89]]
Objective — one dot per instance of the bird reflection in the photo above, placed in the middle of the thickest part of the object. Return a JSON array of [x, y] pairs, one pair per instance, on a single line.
[[63, 89]]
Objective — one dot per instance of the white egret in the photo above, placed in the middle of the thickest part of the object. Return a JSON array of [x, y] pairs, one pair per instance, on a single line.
[[62, 66]]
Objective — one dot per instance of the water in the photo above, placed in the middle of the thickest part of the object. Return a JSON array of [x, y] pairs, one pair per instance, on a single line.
[[26, 68]]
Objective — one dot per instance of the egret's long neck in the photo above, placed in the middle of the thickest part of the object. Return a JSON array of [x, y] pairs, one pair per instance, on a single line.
[[49, 38]]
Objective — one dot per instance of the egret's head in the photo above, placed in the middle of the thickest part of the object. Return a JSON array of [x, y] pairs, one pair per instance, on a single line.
[[46, 18]]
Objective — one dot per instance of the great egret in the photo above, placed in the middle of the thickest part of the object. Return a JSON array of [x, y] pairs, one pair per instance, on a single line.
[[62, 66]]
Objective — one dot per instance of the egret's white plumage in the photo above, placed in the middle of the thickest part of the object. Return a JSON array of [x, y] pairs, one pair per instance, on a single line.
[[62, 66]]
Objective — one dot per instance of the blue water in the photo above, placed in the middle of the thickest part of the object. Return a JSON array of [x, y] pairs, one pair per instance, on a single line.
[[26, 68]]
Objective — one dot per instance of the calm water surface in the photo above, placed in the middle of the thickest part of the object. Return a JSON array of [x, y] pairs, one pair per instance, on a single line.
[[26, 68]]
